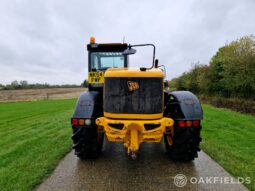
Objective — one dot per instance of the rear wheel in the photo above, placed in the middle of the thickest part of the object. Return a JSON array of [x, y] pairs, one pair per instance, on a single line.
[[184, 145], [87, 142]]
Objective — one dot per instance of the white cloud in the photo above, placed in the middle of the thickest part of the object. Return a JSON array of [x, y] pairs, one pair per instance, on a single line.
[[45, 41]]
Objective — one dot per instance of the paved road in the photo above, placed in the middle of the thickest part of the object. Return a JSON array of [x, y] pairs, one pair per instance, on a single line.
[[152, 170]]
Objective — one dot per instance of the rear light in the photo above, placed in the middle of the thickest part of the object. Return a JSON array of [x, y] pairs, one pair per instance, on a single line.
[[196, 123], [181, 123], [75, 122], [188, 123], [81, 122], [87, 122]]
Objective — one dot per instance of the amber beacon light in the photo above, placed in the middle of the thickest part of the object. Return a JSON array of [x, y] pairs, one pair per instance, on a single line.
[[92, 40]]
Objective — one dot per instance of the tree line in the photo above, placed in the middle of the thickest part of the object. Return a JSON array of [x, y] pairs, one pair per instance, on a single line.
[[23, 84], [230, 72]]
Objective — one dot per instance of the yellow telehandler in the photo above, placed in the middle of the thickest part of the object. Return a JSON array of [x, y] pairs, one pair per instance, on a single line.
[[130, 106]]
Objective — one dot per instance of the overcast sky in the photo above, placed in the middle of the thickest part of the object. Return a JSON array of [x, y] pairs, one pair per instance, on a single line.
[[45, 40]]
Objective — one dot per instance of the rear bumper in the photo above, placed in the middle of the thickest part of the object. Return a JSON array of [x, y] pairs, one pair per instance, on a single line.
[[134, 132]]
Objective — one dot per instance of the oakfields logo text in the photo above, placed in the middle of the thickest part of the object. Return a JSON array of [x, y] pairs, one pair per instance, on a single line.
[[180, 180]]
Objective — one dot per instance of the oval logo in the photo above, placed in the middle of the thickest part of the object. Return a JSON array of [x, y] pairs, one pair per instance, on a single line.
[[132, 85]]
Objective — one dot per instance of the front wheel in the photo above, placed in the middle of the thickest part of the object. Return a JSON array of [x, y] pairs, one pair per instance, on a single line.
[[87, 142], [184, 145]]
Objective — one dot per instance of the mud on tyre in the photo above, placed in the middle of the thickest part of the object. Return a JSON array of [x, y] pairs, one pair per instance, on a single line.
[[87, 142], [185, 143]]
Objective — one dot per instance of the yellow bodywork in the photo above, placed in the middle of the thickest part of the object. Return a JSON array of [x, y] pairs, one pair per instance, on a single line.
[[131, 72], [133, 132]]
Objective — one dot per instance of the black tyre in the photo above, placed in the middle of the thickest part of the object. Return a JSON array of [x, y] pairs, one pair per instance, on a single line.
[[184, 145], [87, 142]]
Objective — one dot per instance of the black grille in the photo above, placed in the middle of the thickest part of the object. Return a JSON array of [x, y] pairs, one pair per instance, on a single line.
[[151, 126], [116, 126], [147, 99]]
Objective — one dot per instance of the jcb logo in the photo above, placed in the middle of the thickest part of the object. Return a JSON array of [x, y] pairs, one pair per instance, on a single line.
[[132, 85]]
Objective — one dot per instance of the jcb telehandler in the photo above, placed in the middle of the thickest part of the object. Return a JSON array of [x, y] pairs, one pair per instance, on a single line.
[[131, 106]]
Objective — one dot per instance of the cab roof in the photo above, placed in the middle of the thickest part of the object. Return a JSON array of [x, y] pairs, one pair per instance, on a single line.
[[108, 47]]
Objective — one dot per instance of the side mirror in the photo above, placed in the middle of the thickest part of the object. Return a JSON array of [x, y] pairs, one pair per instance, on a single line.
[[156, 63], [129, 51]]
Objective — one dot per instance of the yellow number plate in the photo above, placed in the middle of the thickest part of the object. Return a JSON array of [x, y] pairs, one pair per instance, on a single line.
[[96, 77]]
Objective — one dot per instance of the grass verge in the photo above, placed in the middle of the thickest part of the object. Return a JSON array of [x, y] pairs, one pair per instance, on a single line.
[[34, 137], [229, 138]]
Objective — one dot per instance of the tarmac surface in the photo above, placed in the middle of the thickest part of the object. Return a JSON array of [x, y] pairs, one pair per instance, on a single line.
[[152, 170]]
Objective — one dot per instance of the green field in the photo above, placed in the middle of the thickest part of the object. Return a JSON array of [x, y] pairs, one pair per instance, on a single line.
[[36, 135], [229, 138]]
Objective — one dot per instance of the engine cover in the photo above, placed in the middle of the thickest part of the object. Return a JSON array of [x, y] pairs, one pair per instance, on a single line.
[[133, 95]]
